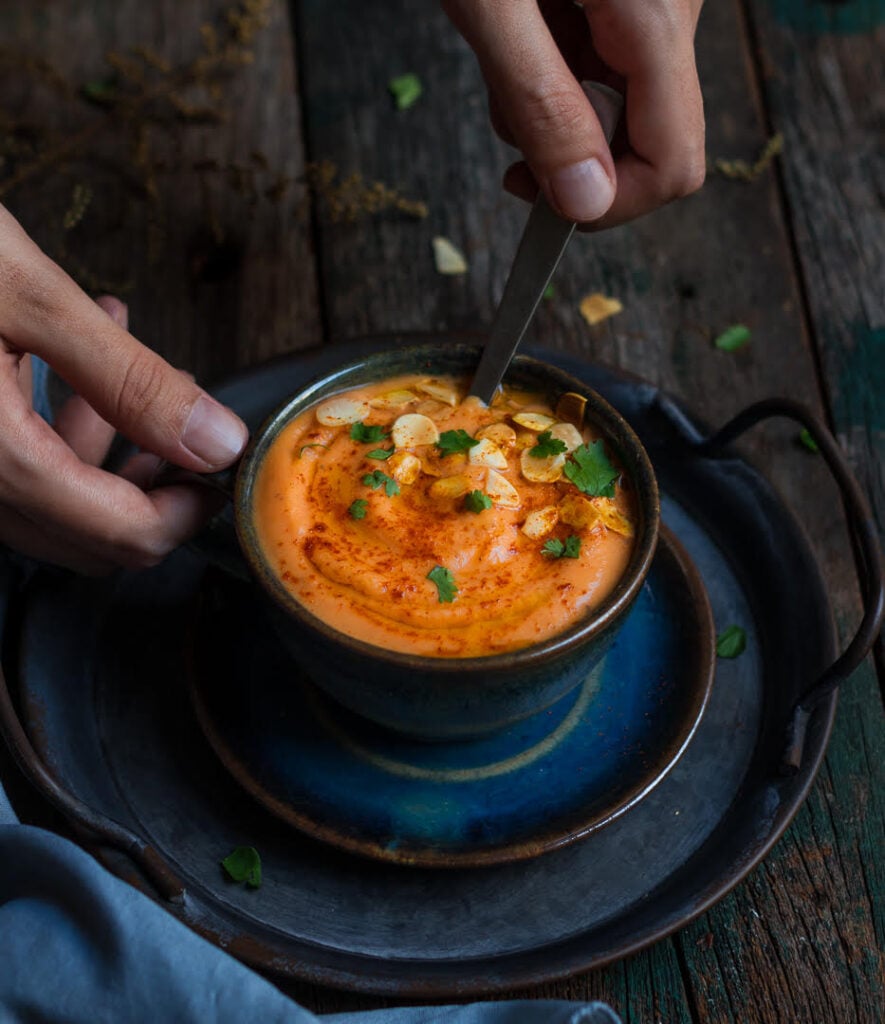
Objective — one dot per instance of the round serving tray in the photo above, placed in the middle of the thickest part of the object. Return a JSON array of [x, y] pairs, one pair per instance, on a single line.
[[103, 698]]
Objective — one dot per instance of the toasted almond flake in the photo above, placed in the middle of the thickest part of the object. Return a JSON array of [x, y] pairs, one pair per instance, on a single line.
[[525, 439], [447, 258], [487, 453], [540, 522], [579, 513], [472, 402], [404, 467], [393, 399], [536, 421], [444, 393], [435, 410], [568, 434], [598, 307], [434, 463], [413, 430], [541, 471], [612, 518], [499, 434], [450, 487], [338, 412], [570, 408], [500, 490]]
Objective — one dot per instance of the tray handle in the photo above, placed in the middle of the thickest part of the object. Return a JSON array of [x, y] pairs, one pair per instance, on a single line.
[[863, 528], [78, 813]]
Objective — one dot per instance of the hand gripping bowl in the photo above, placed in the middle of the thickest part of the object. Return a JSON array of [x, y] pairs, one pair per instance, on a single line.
[[444, 698]]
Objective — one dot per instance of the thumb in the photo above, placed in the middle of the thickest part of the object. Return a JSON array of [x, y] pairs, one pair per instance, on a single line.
[[125, 382], [546, 112]]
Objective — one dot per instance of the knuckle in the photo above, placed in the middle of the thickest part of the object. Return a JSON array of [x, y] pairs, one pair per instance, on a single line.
[[553, 112], [142, 386]]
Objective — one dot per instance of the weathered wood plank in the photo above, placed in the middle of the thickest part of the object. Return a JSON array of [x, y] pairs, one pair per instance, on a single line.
[[221, 275]]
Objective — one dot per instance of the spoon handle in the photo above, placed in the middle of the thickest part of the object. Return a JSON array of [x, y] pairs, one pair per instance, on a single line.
[[540, 249]]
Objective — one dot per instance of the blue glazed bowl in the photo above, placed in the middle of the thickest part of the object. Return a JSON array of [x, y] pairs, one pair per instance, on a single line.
[[449, 698]]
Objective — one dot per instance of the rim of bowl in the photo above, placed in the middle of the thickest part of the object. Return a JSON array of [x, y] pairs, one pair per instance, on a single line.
[[614, 428]]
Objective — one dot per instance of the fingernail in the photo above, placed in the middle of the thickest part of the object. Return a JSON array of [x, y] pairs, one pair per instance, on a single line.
[[583, 191], [213, 433]]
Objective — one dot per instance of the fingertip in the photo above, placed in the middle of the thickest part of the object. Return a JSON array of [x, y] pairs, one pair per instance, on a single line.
[[582, 192]]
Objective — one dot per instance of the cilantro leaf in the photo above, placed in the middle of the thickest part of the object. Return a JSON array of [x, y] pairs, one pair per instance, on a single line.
[[477, 502], [359, 431], [379, 479], [357, 509], [556, 549], [405, 89], [808, 441], [244, 865], [591, 472], [731, 642], [380, 453], [446, 588], [452, 441], [732, 338], [549, 292], [547, 445]]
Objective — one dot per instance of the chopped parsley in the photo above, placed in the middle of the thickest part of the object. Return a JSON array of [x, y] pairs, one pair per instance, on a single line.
[[731, 642], [452, 441], [405, 89], [546, 445], [379, 479], [380, 453], [807, 441], [549, 292], [556, 549], [446, 588], [591, 472], [477, 502], [359, 431], [732, 338], [358, 508], [244, 865]]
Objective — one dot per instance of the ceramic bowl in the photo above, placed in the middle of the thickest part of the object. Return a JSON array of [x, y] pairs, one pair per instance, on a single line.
[[449, 698]]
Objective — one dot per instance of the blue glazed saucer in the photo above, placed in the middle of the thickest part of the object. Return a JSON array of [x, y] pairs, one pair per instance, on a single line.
[[529, 788]]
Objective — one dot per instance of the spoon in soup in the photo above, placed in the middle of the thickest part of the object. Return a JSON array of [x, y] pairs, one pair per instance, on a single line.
[[540, 249]]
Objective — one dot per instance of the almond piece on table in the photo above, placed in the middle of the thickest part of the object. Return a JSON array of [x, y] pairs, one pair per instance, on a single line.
[[338, 412], [413, 430]]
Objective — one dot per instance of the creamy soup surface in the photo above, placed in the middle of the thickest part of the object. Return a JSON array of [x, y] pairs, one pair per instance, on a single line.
[[411, 517]]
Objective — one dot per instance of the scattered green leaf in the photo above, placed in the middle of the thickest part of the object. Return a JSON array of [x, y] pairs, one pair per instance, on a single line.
[[380, 453], [556, 549], [477, 502], [364, 434], [244, 865], [102, 91], [549, 292], [452, 441], [405, 89], [807, 441], [590, 471], [304, 447], [546, 445], [378, 479], [731, 642], [446, 588], [358, 508], [732, 338]]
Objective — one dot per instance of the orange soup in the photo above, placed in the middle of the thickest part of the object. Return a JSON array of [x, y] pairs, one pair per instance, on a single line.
[[414, 518]]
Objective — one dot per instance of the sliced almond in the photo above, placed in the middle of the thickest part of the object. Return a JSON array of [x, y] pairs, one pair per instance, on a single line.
[[450, 487], [568, 434], [525, 439], [338, 412], [393, 399], [541, 471], [413, 430], [579, 512], [435, 410], [434, 463], [570, 408], [612, 518], [501, 491], [540, 522], [536, 421], [598, 307], [500, 434], [487, 453], [444, 393], [471, 402], [404, 467]]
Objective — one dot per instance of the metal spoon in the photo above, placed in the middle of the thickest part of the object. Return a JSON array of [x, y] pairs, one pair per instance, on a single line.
[[540, 250]]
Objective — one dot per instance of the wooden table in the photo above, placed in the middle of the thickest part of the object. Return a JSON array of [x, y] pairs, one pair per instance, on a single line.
[[194, 203]]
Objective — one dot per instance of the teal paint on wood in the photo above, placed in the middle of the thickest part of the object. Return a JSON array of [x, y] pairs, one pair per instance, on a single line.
[[823, 17], [860, 397]]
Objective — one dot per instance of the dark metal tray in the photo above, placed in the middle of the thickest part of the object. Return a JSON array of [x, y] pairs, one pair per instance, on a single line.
[[102, 695]]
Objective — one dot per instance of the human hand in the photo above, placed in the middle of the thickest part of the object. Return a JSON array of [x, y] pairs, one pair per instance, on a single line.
[[535, 53], [56, 504]]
